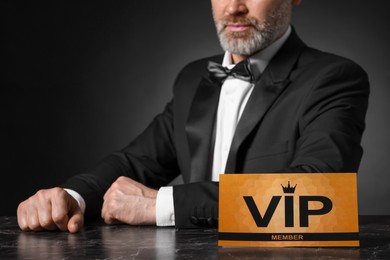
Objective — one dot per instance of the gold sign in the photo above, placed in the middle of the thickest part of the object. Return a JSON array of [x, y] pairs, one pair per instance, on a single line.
[[278, 210]]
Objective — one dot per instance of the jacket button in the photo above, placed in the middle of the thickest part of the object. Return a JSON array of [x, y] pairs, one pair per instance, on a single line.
[[194, 220], [202, 222], [211, 222]]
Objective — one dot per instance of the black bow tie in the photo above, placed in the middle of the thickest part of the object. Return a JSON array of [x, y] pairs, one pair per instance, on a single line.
[[219, 73]]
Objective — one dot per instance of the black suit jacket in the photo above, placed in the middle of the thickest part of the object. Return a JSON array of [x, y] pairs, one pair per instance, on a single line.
[[305, 114]]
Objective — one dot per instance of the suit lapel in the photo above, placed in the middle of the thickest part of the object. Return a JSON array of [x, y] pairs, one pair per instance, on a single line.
[[267, 89], [200, 128], [263, 96]]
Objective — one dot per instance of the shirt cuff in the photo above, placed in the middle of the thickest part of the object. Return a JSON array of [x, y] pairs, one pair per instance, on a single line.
[[78, 198], [165, 212]]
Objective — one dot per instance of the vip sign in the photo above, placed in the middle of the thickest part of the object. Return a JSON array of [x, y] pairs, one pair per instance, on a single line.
[[275, 210]]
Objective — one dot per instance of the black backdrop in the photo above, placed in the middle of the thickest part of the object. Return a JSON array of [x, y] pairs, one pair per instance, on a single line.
[[76, 80]]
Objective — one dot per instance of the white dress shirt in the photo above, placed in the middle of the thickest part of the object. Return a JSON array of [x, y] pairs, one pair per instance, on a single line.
[[232, 101]]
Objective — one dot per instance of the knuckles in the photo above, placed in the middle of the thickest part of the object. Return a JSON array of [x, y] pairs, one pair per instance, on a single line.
[[47, 194], [34, 213], [124, 201], [127, 184], [58, 217], [115, 185], [120, 182], [58, 193], [46, 222], [34, 225], [122, 179]]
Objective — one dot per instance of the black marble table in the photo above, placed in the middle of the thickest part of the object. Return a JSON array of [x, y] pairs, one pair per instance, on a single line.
[[99, 241]]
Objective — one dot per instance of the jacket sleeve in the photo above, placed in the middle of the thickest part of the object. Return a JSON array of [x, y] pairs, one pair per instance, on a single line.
[[332, 122], [149, 159]]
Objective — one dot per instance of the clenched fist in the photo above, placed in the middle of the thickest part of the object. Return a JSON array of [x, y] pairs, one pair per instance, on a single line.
[[129, 202], [50, 209]]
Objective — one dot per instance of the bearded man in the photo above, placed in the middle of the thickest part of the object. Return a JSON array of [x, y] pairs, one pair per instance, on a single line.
[[273, 105]]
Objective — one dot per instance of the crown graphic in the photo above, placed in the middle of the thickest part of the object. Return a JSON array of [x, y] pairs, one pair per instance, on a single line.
[[288, 188]]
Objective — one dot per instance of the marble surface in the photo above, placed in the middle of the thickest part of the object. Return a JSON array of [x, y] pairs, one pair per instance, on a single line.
[[99, 241]]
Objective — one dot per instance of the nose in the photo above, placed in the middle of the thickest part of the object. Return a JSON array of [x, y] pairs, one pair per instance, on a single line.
[[235, 7]]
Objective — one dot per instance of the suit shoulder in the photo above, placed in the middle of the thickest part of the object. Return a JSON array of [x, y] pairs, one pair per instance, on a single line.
[[325, 61], [319, 69]]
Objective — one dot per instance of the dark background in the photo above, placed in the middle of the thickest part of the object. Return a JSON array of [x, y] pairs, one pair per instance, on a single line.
[[80, 79]]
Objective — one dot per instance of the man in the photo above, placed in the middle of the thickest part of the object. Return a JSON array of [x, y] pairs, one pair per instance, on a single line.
[[276, 105]]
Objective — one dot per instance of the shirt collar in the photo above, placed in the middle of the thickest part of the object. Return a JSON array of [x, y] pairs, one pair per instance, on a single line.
[[263, 57]]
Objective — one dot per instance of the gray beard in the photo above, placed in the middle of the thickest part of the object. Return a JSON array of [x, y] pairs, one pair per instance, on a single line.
[[246, 46], [262, 35]]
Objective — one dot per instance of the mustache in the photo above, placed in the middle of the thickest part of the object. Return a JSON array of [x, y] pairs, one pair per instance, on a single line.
[[238, 20], [227, 20]]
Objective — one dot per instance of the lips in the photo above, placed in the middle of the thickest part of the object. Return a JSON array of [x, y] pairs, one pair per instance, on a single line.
[[238, 27]]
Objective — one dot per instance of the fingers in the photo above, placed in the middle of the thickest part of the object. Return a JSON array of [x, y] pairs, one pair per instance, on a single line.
[[130, 202], [109, 203], [50, 210], [120, 190], [33, 215], [44, 215], [60, 209], [76, 221], [76, 216], [28, 218]]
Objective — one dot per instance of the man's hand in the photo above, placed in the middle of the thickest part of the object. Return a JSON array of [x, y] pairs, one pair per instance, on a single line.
[[130, 202], [50, 210]]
